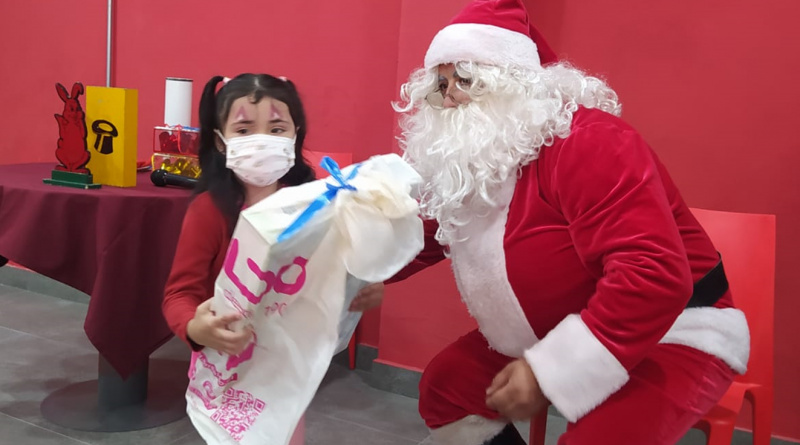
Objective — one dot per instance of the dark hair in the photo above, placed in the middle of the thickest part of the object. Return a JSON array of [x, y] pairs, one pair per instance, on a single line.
[[226, 191]]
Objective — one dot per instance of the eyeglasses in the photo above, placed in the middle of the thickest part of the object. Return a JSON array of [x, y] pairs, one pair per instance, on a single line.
[[437, 97]]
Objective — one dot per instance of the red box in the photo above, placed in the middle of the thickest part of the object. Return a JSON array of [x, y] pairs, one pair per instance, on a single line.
[[176, 140]]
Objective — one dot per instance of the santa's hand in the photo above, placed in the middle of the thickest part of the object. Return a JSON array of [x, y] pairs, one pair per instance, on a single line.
[[515, 393], [367, 298]]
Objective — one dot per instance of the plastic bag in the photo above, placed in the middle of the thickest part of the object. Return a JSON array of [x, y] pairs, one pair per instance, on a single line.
[[294, 260]]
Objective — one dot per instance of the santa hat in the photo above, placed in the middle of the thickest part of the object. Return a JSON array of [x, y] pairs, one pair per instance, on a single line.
[[493, 32]]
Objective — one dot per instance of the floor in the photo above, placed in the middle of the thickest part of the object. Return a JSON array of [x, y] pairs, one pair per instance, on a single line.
[[43, 348]]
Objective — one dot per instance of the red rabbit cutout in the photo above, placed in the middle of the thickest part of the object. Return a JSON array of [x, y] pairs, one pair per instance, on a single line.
[[71, 151]]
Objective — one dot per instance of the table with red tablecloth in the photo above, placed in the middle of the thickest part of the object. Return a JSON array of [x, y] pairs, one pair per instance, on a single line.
[[115, 244]]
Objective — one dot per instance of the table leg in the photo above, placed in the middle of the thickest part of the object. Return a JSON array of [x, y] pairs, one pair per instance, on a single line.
[[150, 397]]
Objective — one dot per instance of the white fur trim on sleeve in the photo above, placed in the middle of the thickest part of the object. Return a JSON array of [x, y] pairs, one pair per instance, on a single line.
[[471, 430], [722, 333], [480, 43], [575, 371]]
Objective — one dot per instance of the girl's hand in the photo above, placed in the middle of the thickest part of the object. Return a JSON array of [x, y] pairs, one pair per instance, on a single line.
[[208, 329], [368, 298]]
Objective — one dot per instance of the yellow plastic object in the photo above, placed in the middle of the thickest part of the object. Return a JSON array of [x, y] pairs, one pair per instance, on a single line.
[[188, 166]]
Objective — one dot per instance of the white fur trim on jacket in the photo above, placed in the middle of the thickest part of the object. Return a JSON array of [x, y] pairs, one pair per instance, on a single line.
[[487, 44], [722, 333], [471, 430], [575, 371], [479, 264]]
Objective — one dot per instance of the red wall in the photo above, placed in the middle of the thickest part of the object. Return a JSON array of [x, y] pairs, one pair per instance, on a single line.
[[710, 84], [44, 43], [336, 52]]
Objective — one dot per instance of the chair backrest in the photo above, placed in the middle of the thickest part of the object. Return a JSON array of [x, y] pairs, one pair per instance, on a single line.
[[747, 244], [315, 157]]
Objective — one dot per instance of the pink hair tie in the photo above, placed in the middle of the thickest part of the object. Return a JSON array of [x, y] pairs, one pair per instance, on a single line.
[[283, 78], [225, 80]]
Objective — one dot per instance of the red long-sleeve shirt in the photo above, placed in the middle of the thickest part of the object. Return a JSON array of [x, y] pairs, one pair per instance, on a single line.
[[198, 260]]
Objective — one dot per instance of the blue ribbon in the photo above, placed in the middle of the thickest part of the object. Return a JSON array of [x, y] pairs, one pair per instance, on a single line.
[[324, 199]]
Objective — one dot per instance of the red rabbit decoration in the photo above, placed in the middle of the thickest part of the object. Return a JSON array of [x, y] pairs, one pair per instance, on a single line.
[[72, 151]]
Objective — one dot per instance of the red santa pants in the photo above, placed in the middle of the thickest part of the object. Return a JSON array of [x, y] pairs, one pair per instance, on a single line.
[[667, 393]]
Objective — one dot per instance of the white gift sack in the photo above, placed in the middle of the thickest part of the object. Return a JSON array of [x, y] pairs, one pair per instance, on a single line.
[[348, 321], [294, 294]]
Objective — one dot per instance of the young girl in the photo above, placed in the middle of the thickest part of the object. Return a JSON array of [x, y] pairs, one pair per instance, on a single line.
[[251, 142]]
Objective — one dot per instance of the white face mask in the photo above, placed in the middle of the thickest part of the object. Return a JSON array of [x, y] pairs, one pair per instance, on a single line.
[[259, 159]]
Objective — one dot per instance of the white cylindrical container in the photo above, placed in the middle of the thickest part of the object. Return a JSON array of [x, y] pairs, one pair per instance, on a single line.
[[178, 102]]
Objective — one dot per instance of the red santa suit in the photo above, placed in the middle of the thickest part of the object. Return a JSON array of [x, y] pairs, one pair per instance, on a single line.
[[584, 269]]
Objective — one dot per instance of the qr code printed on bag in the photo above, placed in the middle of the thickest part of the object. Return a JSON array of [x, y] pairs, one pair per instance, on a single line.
[[238, 412]]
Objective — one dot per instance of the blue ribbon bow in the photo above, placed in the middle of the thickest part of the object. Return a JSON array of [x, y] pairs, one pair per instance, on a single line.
[[324, 199]]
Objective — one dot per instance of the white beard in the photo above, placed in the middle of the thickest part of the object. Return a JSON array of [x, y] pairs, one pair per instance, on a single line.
[[466, 154]]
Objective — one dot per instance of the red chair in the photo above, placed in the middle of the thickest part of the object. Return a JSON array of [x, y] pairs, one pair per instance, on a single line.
[[343, 159], [747, 244]]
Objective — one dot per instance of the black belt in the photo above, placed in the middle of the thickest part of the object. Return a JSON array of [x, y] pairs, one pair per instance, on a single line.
[[709, 289]]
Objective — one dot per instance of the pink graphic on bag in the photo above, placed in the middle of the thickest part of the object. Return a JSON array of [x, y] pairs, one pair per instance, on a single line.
[[192, 365], [238, 412], [247, 354], [205, 398], [269, 278], [209, 387], [277, 283], [235, 303], [275, 308], [217, 374]]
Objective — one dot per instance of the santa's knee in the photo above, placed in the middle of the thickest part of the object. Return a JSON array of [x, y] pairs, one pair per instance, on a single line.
[[437, 381], [454, 383]]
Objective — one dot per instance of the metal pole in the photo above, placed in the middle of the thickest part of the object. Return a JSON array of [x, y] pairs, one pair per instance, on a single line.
[[108, 47]]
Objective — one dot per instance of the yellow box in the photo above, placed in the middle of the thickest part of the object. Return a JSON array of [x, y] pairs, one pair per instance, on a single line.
[[111, 124]]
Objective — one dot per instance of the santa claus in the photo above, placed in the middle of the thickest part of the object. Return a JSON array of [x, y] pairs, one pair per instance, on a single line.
[[594, 287]]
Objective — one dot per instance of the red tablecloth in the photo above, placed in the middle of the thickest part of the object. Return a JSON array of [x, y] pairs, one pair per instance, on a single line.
[[115, 244]]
